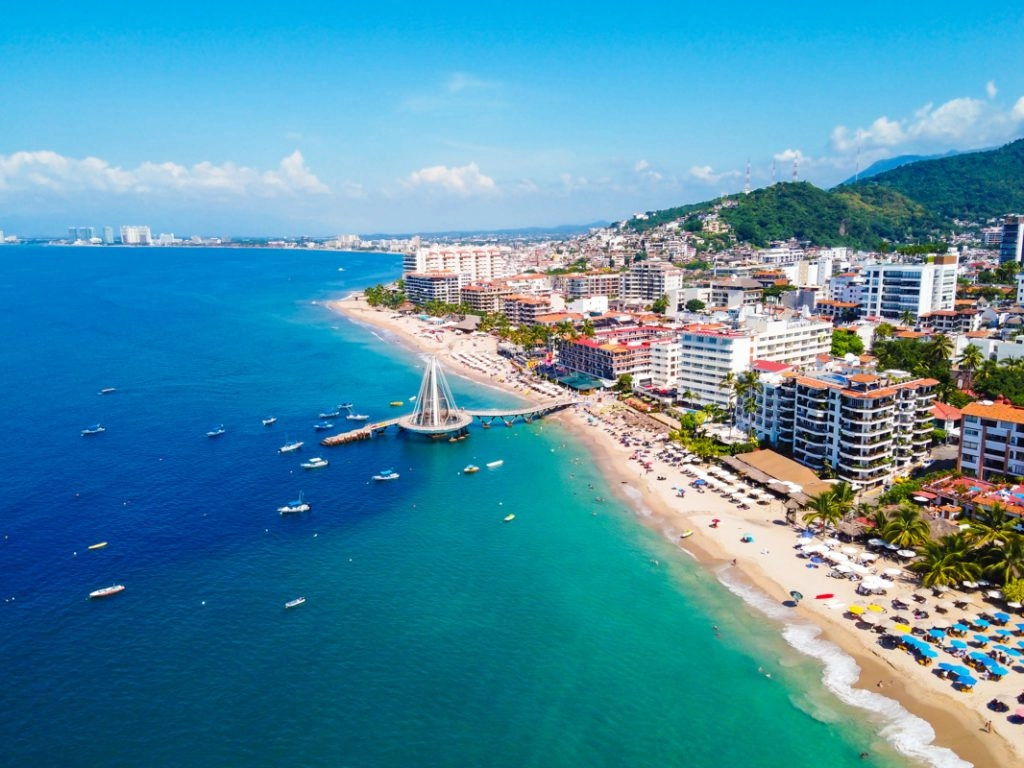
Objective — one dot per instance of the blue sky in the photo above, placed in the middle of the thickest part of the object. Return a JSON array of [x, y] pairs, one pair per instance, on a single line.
[[317, 118]]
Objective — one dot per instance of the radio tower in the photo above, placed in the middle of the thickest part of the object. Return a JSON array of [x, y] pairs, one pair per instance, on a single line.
[[796, 165], [774, 179], [746, 187], [856, 170]]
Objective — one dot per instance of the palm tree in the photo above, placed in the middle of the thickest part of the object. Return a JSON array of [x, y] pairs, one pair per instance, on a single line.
[[883, 331], [845, 495], [587, 329], [729, 383], [825, 510], [906, 528], [993, 526], [907, 318], [969, 362], [1006, 563], [946, 562], [940, 348]]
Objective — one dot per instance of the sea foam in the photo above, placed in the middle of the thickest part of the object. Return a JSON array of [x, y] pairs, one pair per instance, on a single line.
[[908, 734]]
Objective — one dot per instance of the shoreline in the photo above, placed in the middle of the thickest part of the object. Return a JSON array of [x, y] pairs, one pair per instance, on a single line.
[[761, 573]]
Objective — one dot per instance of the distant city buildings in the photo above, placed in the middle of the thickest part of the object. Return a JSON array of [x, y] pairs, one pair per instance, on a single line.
[[1011, 243], [136, 235]]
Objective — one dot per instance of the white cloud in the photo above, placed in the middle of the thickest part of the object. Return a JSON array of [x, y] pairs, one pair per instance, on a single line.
[[50, 171], [960, 123], [463, 181], [641, 166], [706, 174]]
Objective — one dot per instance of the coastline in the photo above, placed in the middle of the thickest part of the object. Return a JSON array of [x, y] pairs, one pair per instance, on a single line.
[[762, 573]]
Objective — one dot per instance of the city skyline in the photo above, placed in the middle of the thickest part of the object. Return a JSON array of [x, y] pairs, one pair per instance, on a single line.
[[403, 119]]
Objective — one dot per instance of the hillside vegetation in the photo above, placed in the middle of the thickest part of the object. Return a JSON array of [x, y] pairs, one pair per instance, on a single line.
[[975, 186]]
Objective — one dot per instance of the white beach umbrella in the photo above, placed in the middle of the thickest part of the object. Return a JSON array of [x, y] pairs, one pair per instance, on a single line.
[[893, 572], [849, 550], [867, 557], [841, 568]]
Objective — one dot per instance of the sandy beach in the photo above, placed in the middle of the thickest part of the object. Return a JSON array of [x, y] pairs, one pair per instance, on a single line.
[[628, 449]]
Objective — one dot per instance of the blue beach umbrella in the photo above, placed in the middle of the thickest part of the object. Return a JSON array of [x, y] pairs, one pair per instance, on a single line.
[[948, 667], [981, 623], [1004, 632], [981, 639], [1020, 627], [960, 627], [995, 669], [1004, 617], [807, 535], [927, 652], [911, 640], [960, 645], [967, 680], [938, 634], [960, 670], [979, 656]]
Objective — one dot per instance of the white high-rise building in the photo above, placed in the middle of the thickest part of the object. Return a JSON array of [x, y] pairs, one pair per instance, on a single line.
[[890, 290], [136, 235], [471, 263], [650, 280]]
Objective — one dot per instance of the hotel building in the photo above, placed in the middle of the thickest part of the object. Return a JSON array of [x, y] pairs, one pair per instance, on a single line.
[[992, 440], [890, 290]]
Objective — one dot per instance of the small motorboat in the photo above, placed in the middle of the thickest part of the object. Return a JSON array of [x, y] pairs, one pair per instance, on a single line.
[[289, 447], [296, 602], [508, 518], [95, 429], [98, 545], [331, 414], [320, 426], [469, 469], [216, 431], [386, 474], [106, 591], [357, 417], [269, 420], [686, 534], [107, 391], [293, 507], [314, 463], [397, 403], [495, 464]]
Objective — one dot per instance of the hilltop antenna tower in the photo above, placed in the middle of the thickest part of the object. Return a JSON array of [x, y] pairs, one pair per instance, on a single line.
[[856, 170], [746, 187], [796, 166], [774, 179]]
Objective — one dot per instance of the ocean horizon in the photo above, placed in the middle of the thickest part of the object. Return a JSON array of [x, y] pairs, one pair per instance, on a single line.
[[432, 633]]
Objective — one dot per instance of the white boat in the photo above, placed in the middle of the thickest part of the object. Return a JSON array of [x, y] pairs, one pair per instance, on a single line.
[[295, 602], [107, 591], [216, 431], [469, 469], [289, 447], [314, 463], [269, 420], [509, 518], [95, 429], [495, 464], [357, 417], [293, 507], [320, 426], [387, 474], [98, 545], [108, 390], [330, 414]]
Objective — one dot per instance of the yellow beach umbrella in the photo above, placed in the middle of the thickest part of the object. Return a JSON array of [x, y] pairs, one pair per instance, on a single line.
[[857, 609], [901, 627], [876, 608]]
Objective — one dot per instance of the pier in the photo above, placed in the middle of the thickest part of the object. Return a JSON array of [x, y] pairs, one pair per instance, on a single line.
[[435, 413]]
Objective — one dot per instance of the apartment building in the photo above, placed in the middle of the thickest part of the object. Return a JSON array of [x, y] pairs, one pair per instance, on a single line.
[[992, 439], [952, 321], [424, 287], [487, 298], [612, 353], [136, 235], [890, 290], [650, 280], [471, 263], [1011, 243], [868, 428], [588, 284], [739, 292], [523, 310]]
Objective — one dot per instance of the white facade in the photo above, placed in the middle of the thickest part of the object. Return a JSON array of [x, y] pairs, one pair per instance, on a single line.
[[136, 235], [796, 341], [666, 363], [472, 264], [650, 280], [707, 355], [893, 289]]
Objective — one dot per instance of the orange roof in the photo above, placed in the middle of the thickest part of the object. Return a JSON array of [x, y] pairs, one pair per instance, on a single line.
[[997, 411], [864, 378], [945, 411]]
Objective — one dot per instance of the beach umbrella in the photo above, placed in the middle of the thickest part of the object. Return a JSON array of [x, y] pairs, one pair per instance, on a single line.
[[807, 535], [856, 609], [911, 640], [960, 627], [892, 571], [891, 547], [1015, 605], [901, 627], [983, 623], [938, 634], [981, 640], [869, 618], [906, 553], [960, 645], [1020, 627], [1019, 714], [970, 584], [947, 666], [842, 568], [1012, 652], [929, 653], [867, 557], [876, 608], [996, 670], [995, 594], [850, 550], [967, 681], [1003, 617], [1004, 632], [960, 671], [981, 657], [796, 595]]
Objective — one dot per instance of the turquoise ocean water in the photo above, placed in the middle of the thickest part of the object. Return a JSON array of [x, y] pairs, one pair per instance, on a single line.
[[433, 634]]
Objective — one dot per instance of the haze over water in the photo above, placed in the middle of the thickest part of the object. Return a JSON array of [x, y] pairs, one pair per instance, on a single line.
[[433, 634]]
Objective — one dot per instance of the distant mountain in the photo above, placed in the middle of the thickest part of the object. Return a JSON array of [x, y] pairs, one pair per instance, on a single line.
[[974, 186], [562, 230], [889, 163]]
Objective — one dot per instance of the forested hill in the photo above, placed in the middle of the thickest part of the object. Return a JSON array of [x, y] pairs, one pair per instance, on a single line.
[[975, 186]]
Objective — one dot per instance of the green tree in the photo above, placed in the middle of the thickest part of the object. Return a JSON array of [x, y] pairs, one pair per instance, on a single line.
[[1005, 563], [1014, 591], [824, 509], [906, 528], [946, 562], [846, 342], [940, 348], [660, 305], [992, 526], [970, 360], [695, 305], [624, 384], [907, 318]]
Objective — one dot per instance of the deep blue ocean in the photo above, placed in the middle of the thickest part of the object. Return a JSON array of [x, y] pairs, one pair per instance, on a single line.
[[433, 634]]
